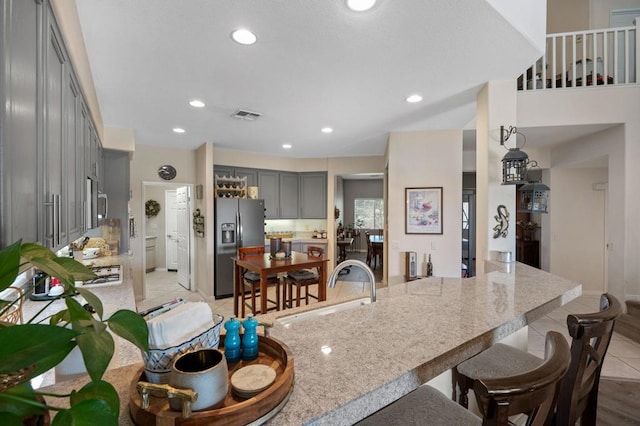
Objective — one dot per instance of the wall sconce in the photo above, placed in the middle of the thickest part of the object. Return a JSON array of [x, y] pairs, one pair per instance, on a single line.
[[514, 163], [198, 223], [534, 195]]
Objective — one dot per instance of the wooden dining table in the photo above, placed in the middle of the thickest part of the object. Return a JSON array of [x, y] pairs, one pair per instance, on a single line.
[[265, 265]]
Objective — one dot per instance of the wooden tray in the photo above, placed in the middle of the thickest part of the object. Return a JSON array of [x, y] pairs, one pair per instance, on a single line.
[[235, 410]]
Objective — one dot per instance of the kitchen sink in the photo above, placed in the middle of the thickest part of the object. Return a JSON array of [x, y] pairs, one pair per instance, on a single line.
[[327, 310]]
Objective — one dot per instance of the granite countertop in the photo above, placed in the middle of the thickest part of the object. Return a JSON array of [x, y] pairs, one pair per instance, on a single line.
[[414, 332], [379, 352]]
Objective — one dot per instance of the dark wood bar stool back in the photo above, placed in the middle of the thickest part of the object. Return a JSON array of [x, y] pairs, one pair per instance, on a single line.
[[251, 282], [533, 393], [591, 334], [303, 278]]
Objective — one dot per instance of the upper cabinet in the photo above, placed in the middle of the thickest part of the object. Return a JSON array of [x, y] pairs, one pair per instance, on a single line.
[[269, 191], [21, 168], [313, 195], [55, 194], [286, 195], [47, 139]]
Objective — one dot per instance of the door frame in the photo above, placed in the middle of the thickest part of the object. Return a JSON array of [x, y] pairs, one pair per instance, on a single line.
[[143, 198], [166, 220]]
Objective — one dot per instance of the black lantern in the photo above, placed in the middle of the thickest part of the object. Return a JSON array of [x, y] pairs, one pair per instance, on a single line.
[[514, 163], [534, 197]]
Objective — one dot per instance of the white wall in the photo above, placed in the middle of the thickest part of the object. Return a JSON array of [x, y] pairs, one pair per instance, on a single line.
[[620, 107], [578, 226], [424, 159], [144, 168]]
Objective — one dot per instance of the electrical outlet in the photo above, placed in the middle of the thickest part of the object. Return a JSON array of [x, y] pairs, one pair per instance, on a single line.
[[434, 245], [395, 244]]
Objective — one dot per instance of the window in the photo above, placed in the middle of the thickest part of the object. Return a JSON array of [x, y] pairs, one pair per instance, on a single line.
[[368, 213]]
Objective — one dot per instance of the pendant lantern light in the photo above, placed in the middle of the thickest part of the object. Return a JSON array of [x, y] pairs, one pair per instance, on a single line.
[[534, 195], [514, 163]]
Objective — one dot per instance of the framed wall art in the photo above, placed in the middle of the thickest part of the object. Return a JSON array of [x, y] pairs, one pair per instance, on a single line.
[[423, 210]]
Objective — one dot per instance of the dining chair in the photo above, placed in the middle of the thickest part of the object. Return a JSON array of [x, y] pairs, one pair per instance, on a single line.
[[304, 278], [532, 393], [590, 333], [251, 282], [12, 296]]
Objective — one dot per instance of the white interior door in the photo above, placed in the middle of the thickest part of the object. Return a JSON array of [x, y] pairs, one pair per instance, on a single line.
[[183, 218], [171, 227]]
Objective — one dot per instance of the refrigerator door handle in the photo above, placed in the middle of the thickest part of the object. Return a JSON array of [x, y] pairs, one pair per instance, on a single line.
[[239, 222]]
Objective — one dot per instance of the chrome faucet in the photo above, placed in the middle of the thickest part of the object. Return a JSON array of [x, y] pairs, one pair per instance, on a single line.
[[353, 262]]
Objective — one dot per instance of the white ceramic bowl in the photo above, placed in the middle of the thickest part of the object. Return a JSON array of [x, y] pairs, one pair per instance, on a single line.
[[90, 253]]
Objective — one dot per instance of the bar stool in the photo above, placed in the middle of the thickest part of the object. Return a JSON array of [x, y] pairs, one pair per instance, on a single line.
[[251, 282], [532, 393], [591, 334]]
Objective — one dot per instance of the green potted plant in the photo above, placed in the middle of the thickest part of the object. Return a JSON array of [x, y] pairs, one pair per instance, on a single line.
[[30, 349]]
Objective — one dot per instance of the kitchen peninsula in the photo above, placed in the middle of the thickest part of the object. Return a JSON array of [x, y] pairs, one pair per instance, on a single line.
[[351, 363]]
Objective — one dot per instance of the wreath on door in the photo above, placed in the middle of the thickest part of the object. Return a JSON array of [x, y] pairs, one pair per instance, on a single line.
[[152, 208]]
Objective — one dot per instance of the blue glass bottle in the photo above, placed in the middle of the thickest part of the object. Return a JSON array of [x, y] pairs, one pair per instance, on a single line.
[[232, 340], [250, 339]]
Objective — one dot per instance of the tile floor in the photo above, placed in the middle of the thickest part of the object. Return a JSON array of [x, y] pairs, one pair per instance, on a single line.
[[623, 357]]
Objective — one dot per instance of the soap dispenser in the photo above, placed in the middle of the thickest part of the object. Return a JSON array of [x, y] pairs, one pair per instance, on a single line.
[[250, 339], [232, 340]]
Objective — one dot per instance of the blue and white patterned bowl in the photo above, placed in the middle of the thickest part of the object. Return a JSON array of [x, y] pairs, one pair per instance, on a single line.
[[157, 362]]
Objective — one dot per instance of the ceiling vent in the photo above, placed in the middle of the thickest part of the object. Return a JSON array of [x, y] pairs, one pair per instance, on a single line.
[[243, 114]]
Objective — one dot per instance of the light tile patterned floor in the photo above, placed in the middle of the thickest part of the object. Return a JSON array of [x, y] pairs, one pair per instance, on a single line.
[[623, 357]]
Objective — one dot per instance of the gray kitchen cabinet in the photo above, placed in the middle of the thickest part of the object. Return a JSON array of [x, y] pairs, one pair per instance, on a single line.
[[55, 190], [73, 156], [313, 195], [20, 164], [45, 131], [268, 187], [288, 195], [250, 174]]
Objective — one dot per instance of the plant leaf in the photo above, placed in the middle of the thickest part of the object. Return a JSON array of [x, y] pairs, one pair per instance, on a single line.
[[131, 326], [97, 349], [98, 390], [10, 401], [9, 419], [93, 300], [9, 264], [91, 412], [23, 345]]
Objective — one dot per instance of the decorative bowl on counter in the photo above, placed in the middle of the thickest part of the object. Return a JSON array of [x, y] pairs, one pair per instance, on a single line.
[[90, 253], [157, 362]]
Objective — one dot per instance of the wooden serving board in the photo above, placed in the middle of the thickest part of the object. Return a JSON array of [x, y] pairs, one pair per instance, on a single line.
[[234, 410]]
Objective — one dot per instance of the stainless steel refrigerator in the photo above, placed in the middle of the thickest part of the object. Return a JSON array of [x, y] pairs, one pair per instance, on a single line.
[[239, 222]]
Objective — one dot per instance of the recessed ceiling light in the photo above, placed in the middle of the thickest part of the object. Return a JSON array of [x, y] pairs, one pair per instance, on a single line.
[[326, 130], [196, 103], [178, 130], [286, 146], [414, 98], [244, 37], [360, 5]]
